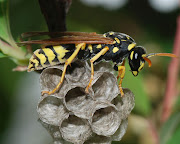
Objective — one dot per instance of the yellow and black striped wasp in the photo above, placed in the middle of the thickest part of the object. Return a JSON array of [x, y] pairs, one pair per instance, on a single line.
[[66, 46]]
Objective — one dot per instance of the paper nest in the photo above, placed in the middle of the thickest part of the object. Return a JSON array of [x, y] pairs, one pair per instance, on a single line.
[[72, 116]]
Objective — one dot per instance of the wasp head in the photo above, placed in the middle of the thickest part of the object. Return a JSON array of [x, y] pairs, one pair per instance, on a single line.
[[136, 59]]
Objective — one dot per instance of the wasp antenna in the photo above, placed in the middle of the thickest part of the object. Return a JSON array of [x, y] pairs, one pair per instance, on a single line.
[[161, 54], [148, 61]]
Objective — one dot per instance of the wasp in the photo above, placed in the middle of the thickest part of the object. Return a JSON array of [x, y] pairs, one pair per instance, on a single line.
[[64, 47]]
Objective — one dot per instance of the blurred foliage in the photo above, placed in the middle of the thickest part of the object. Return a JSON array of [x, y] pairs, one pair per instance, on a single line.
[[8, 83], [19, 22], [170, 131], [8, 46], [143, 105], [137, 19], [4, 18]]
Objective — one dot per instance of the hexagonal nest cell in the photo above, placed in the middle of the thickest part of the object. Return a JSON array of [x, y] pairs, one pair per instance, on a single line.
[[72, 116]]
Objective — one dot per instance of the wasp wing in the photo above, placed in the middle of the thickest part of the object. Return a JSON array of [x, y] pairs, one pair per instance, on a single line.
[[72, 39], [56, 34]]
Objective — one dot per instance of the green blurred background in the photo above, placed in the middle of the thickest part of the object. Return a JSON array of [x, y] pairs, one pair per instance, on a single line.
[[152, 23]]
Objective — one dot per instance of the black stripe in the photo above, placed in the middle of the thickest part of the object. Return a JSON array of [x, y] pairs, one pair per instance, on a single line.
[[33, 65], [35, 57], [55, 53], [47, 61]]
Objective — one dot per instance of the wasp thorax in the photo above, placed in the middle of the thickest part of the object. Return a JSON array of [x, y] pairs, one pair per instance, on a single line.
[[136, 60]]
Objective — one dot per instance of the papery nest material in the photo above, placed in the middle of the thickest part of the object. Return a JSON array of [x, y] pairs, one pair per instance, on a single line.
[[97, 117]]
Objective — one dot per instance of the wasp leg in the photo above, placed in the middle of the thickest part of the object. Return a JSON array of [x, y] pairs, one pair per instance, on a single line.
[[68, 62], [121, 73], [102, 52]]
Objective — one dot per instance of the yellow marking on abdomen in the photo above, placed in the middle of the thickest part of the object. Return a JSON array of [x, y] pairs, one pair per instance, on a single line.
[[115, 49], [61, 51], [32, 65], [41, 57], [36, 61], [49, 53]]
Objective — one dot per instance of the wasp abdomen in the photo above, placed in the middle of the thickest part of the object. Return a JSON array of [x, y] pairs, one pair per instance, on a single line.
[[48, 56]]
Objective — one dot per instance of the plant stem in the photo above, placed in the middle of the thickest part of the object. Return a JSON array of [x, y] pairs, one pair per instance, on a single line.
[[171, 86]]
